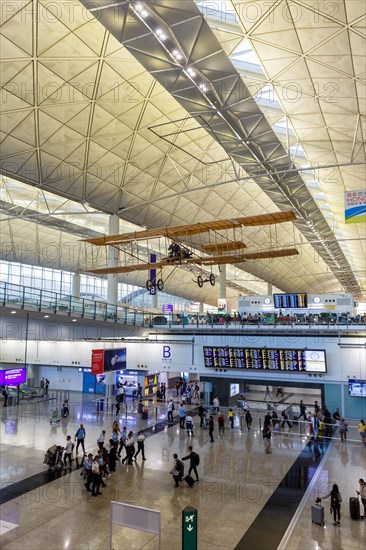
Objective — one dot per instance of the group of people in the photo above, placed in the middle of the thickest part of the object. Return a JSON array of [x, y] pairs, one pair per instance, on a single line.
[[161, 392], [44, 384], [178, 467], [268, 395], [336, 500], [98, 467], [187, 391]]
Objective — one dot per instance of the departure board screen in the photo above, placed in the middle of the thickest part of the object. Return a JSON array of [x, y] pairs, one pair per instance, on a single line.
[[290, 301], [280, 360]]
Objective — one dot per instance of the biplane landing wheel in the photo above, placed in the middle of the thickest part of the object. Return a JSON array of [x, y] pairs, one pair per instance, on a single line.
[[200, 281], [160, 284], [149, 284], [212, 279]]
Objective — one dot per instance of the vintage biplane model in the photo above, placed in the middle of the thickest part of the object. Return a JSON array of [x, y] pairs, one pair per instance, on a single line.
[[195, 245]]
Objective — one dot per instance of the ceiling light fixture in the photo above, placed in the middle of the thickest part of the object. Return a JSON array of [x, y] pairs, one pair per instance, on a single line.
[[161, 34], [12, 312], [191, 72], [177, 55]]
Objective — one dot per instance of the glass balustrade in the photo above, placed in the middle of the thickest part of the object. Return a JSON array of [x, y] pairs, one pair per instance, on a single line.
[[47, 301]]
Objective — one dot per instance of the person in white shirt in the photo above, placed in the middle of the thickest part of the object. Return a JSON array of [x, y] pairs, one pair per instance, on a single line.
[[96, 477], [68, 450], [170, 412], [140, 445], [216, 404], [189, 424], [130, 448], [101, 440]]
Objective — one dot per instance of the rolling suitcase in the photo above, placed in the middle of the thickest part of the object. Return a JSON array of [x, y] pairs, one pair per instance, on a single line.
[[317, 514], [354, 508], [189, 480]]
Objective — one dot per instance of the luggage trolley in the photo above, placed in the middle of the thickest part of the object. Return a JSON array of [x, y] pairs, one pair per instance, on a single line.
[[55, 416], [53, 458]]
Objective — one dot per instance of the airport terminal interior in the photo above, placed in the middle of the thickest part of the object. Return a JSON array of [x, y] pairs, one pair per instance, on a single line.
[[182, 221]]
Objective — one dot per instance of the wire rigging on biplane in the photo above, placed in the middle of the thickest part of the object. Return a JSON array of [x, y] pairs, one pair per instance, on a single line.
[[196, 245]]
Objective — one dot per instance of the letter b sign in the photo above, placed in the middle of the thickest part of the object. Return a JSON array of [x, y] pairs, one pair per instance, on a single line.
[[166, 352]]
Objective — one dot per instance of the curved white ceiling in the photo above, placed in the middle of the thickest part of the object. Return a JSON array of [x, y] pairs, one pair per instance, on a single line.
[[82, 118]]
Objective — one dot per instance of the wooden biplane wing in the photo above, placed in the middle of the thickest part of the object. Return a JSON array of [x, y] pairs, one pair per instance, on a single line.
[[206, 261], [193, 229]]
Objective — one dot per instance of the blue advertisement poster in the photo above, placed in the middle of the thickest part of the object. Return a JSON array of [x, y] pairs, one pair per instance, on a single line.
[[114, 359]]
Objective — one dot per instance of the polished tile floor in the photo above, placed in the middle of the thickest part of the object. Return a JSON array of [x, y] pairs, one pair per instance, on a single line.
[[236, 495]]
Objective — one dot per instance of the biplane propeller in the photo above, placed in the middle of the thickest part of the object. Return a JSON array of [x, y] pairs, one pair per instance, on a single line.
[[217, 251]]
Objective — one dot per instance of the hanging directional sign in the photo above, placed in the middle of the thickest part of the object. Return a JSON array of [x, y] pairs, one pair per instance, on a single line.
[[189, 528]]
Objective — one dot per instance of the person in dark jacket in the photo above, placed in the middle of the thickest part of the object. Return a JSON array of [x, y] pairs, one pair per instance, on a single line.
[[194, 460], [335, 503], [267, 435], [112, 457], [5, 396], [201, 414], [211, 429]]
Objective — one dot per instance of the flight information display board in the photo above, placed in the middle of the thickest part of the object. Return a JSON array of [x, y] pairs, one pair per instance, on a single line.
[[290, 301], [281, 360]]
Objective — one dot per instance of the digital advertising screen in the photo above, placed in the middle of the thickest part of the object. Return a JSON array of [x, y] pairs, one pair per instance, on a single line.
[[114, 359], [269, 359], [13, 377], [290, 301], [357, 388]]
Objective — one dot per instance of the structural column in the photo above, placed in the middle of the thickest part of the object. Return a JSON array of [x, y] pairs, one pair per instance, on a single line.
[[269, 289], [222, 296], [154, 304], [113, 261], [76, 285]]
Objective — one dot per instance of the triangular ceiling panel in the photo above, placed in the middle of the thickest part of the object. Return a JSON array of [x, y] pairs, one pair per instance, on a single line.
[[9, 49]]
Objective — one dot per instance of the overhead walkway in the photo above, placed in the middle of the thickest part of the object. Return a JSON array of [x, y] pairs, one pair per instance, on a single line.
[[49, 302]]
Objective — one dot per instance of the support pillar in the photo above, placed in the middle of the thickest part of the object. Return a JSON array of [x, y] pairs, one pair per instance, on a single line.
[[113, 261], [269, 289], [200, 310], [155, 299], [76, 285], [222, 305]]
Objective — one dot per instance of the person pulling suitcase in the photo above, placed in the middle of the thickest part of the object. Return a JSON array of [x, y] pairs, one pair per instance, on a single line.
[[335, 503], [362, 494], [194, 462]]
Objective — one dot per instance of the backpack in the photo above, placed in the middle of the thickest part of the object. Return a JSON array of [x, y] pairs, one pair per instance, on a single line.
[[334, 499], [196, 459], [179, 465], [173, 408]]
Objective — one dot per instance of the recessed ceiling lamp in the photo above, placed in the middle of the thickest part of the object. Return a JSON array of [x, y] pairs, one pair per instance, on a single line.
[[141, 10], [203, 87], [177, 55], [191, 72], [161, 34]]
